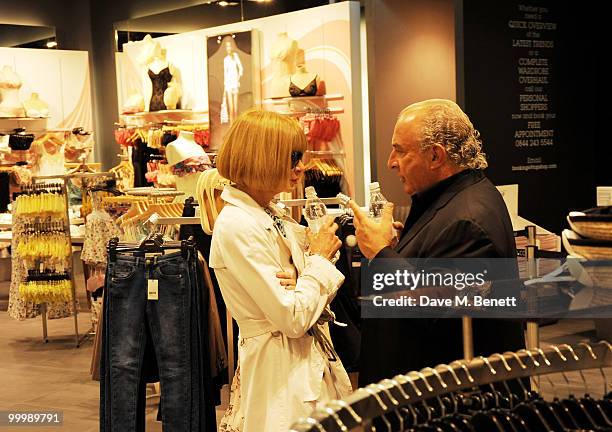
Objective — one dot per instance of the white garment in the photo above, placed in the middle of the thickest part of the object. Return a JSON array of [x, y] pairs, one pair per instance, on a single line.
[[281, 366], [10, 83], [232, 70], [51, 164]]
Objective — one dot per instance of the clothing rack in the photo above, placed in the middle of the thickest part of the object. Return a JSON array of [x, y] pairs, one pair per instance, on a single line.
[[36, 181], [406, 390], [175, 220]]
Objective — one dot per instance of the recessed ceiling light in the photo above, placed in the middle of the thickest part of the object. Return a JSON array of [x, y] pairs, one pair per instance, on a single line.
[[51, 44]]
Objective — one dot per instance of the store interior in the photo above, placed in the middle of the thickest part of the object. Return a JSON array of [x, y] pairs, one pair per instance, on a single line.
[[112, 114]]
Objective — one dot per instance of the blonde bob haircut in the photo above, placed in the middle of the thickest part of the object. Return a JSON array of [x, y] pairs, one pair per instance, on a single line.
[[256, 151]]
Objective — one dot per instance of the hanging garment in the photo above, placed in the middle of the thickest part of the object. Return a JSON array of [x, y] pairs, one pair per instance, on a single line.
[[51, 164], [160, 84], [217, 336], [170, 322], [18, 307], [5, 196], [203, 241], [140, 158], [284, 370], [99, 229]]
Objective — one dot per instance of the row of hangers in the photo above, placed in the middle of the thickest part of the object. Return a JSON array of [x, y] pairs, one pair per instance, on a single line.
[[318, 167], [421, 398], [152, 243]]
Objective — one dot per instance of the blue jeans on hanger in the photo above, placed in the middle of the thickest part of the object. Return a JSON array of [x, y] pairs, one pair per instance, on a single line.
[[171, 323]]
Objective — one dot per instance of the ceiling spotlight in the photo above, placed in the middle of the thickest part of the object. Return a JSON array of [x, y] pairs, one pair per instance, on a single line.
[[223, 3], [51, 44]]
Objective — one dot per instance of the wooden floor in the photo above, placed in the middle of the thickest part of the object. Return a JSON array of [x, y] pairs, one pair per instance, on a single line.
[[55, 376]]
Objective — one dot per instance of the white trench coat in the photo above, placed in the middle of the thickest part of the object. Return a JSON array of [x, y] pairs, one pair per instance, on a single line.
[[281, 368]]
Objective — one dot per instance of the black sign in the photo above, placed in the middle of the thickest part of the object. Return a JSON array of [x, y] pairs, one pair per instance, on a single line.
[[520, 80]]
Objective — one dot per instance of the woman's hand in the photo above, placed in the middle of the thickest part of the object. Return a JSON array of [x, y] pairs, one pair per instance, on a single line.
[[325, 242], [286, 280]]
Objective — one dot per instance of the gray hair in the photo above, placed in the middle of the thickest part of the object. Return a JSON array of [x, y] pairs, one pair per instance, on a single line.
[[444, 123]]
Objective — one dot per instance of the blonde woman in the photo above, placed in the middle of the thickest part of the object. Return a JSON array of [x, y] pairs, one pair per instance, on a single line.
[[286, 364]]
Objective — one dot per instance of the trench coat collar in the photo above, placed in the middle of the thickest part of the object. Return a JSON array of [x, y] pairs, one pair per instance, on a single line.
[[244, 201]]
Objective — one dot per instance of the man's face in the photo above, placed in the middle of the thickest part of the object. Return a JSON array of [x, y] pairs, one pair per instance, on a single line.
[[412, 163]]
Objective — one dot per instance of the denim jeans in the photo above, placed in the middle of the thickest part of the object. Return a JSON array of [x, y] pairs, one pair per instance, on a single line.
[[172, 324]]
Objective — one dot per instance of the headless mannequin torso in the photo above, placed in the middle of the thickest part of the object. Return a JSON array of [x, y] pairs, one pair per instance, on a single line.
[[182, 148], [10, 83], [282, 53], [160, 86], [35, 107], [302, 82]]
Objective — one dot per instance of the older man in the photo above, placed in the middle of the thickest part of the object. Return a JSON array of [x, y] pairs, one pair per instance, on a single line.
[[456, 212]]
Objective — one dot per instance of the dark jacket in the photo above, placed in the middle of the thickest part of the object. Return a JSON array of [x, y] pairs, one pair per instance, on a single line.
[[463, 216]]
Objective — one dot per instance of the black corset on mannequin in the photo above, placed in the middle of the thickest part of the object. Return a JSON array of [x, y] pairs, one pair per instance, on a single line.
[[160, 84]]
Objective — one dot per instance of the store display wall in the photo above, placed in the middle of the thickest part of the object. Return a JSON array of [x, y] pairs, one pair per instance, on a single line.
[[64, 85], [327, 34]]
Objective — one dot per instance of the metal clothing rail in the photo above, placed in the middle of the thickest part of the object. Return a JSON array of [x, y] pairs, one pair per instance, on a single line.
[[185, 220], [388, 395]]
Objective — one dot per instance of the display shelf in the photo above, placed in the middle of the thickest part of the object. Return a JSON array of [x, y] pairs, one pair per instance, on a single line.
[[144, 118], [25, 118], [326, 110], [284, 100], [7, 124]]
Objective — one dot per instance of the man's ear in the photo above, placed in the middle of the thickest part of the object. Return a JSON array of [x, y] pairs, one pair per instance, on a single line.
[[438, 156]]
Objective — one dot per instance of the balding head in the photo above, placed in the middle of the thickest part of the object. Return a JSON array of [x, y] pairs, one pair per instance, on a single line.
[[442, 122]]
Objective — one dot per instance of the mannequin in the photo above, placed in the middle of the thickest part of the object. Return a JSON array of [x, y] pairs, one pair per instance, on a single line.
[[160, 86], [10, 83], [166, 91], [302, 82], [149, 49], [36, 107], [232, 72], [282, 53], [50, 152], [184, 151]]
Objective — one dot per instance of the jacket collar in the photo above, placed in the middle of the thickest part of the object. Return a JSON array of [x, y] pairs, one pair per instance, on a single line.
[[437, 197], [241, 199]]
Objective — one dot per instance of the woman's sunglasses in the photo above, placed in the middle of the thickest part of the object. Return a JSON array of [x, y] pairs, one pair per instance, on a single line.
[[296, 157]]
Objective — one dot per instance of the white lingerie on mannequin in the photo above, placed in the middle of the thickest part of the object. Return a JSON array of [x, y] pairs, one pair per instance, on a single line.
[[10, 83], [35, 107], [51, 164]]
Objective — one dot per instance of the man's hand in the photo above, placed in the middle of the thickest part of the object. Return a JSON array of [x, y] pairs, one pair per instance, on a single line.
[[372, 236]]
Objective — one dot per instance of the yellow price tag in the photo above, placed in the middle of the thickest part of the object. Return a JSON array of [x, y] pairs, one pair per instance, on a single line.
[[153, 289]]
